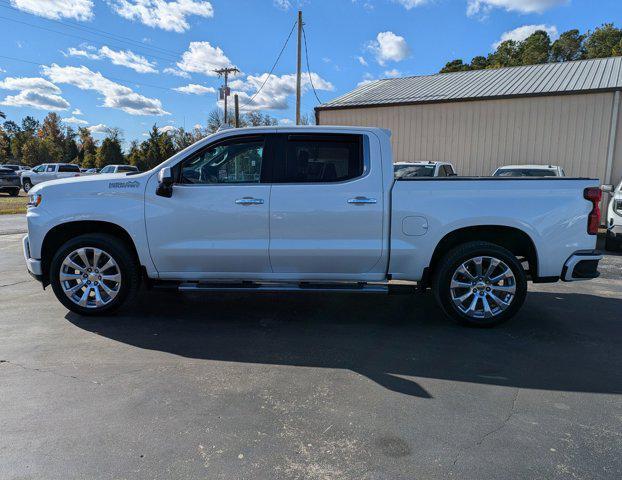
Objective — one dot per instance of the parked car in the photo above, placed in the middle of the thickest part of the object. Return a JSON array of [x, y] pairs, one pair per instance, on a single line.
[[119, 169], [91, 171], [309, 209], [423, 169], [529, 171], [48, 171], [18, 169], [9, 181], [613, 239]]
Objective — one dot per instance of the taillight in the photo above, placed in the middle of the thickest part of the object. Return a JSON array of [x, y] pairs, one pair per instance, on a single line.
[[594, 195]]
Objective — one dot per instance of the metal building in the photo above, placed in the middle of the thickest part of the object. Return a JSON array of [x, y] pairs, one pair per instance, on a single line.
[[564, 114]]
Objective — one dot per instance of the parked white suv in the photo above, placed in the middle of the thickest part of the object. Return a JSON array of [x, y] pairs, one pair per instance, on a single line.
[[614, 220], [309, 209], [119, 169], [529, 171], [423, 169], [48, 171]]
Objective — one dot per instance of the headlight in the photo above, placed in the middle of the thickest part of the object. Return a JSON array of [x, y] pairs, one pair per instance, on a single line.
[[34, 200]]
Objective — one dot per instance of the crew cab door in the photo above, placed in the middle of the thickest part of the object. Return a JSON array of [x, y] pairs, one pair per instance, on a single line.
[[326, 207], [215, 224]]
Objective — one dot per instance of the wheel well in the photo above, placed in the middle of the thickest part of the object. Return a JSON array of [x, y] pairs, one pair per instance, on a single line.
[[58, 235], [513, 239]]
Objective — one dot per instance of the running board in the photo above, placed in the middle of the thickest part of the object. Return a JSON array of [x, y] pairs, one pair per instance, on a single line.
[[285, 287]]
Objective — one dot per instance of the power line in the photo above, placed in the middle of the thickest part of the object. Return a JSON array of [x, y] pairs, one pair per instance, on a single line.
[[304, 34], [272, 69], [78, 37], [116, 37]]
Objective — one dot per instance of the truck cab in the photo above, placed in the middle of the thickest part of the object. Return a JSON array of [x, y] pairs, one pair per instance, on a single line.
[[47, 172]]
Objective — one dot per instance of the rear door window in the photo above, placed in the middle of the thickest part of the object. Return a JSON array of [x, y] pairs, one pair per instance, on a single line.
[[69, 168]]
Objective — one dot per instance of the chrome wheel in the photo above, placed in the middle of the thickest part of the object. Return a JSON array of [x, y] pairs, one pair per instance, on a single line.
[[90, 277], [483, 287]]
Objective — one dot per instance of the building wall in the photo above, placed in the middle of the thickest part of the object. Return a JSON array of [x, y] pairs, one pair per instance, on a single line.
[[478, 136]]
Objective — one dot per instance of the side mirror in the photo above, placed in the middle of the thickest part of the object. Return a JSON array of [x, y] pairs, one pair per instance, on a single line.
[[165, 183], [608, 188]]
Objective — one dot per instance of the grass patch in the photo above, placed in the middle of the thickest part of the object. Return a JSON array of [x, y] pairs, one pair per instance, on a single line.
[[10, 204]]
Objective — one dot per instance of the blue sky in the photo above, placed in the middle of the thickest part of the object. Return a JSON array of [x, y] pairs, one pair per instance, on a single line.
[[133, 63]]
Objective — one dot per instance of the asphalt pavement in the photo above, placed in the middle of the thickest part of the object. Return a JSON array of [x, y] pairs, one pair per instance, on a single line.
[[306, 386]]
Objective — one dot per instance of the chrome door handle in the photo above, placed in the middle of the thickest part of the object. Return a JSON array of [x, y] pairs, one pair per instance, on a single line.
[[249, 201], [362, 200]]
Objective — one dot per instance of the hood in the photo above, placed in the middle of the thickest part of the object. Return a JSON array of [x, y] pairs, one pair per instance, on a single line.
[[108, 182]]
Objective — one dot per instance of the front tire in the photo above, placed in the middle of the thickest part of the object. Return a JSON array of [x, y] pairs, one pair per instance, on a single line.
[[94, 274], [27, 185], [480, 284]]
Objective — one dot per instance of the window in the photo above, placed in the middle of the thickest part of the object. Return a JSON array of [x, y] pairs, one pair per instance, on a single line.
[[414, 170], [50, 168], [448, 170], [127, 168], [39, 169], [107, 169], [232, 161], [321, 159], [524, 172], [69, 168], [441, 171]]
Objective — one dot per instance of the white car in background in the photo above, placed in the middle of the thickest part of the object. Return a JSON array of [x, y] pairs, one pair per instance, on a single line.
[[119, 169], [614, 220], [48, 171], [529, 171], [423, 169]]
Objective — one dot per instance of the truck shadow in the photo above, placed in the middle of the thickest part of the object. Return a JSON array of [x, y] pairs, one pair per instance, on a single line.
[[565, 342]]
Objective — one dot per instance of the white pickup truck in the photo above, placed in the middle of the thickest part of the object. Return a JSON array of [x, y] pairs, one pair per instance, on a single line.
[[47, 172], [309, 209]]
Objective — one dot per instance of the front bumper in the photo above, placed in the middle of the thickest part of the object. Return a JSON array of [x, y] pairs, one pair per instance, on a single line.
[[582, 265], [33, 265]]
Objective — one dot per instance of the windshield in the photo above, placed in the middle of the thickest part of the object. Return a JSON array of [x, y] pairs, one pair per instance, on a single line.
[[408, 171], [524, 172]]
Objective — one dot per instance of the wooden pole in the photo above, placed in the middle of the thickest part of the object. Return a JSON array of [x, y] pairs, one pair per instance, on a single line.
[[299, 67], [237, 110]]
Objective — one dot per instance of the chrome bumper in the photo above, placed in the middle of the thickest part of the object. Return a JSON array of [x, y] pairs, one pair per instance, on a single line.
[[33, 265], [582, 265]]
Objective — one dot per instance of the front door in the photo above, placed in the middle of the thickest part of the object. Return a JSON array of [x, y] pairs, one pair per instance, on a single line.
[[326, 207], [215, 225]]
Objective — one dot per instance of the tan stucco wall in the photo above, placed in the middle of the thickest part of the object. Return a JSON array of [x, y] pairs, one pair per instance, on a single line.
[[479, 136]]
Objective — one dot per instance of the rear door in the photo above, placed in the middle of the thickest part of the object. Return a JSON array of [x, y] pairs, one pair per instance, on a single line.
[[326, 207], [69, 170]]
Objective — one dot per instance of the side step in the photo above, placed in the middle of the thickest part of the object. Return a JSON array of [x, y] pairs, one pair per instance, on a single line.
[[340, 287]]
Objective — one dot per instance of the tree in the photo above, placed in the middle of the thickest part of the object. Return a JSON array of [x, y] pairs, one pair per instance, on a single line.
[[30, 124], [70, 148], [479, 63], [568, 47], [2, 115], [455, 66], [508, 54], [110, 152], [535, 49], [86, 147], [605, 41], [215, 120], [5, 145], [33, 152], [258, 119]]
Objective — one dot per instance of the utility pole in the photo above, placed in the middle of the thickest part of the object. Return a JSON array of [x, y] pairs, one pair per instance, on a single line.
[[236, 103], [299, 67], [225, 91]]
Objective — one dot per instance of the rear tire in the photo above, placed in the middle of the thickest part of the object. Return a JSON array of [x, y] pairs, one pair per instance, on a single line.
[[94, 274], [612, 244], [14, 192], [27, 185], [481, 295]]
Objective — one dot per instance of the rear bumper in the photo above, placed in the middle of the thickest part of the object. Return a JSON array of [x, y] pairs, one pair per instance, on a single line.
[[582, 265], [33, 265]]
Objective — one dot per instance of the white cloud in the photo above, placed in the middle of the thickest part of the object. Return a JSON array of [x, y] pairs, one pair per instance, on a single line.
[[410, 4], [198, 126], [276, 91], [194, 89], [362, 61], [76, 121], [483, 7], [34, 92], [394, 72], [521, 33], [286, 121], [367, 79], [167, 15], [124, 58], [115, 95], [129, 59], [167, 128], [77, 111], [176, 72], [389, 47], [201, 57], [282, 4], [56, 9], [99, 128]]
